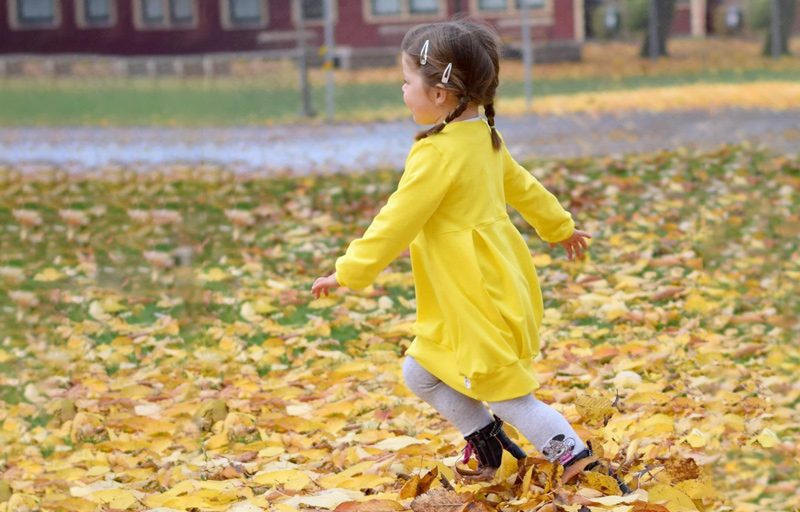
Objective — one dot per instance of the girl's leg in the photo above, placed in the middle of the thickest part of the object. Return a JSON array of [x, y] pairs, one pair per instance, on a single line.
[[543, 426], [466, 414]]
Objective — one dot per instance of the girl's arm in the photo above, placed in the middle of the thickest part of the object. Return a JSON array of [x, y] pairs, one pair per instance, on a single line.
[[537, 205], [419, 193]]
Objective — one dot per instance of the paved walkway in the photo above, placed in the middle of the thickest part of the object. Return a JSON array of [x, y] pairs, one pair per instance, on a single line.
[[339, 147]]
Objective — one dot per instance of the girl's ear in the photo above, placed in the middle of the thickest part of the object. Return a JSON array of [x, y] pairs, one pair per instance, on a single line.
[[440, 95]]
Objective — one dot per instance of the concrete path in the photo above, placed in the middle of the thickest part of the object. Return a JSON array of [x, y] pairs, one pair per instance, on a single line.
[[359, 147]]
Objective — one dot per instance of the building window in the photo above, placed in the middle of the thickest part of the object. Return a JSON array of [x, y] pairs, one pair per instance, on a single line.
[[97, 11], [155, 14], [386, 7], [492, 5], [313, 11], [36, 13], [508, 7], [243, 14], [246, 12], [181, 12], [531, 4], [381, 10], [423, 6]]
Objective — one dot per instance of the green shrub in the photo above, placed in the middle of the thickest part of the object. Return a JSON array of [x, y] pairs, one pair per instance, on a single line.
[[598, 23], [760, 14], [638, 15]]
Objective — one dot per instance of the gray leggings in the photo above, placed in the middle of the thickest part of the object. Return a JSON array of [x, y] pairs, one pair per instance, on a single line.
[[542, 425]]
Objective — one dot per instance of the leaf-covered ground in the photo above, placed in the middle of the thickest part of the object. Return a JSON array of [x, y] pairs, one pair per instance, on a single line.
[[160, 350]]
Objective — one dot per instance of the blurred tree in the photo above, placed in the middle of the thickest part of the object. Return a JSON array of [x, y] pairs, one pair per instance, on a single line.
[[666, 14], [788, 16]]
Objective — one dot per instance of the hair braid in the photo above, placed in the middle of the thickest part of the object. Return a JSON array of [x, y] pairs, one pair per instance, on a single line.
[[460, 108], [489, 111]]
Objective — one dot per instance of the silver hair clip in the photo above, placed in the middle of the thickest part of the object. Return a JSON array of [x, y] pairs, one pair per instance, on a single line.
[[446, 74], [423, 55]]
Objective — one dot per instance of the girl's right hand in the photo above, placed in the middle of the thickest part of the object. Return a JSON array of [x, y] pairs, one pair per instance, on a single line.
[[575, 243], [323, 284]]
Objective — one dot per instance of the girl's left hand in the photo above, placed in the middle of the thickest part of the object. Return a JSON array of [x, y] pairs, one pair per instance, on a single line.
[[323, 284], [574, 244]]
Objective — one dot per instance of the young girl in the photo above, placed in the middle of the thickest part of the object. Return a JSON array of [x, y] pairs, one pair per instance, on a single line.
[[479, 305]]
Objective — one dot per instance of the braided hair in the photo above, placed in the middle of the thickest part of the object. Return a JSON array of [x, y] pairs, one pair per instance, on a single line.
[[473, 50]]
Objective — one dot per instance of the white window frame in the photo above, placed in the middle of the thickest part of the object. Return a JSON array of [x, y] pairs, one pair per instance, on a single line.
[[313, 23], [83, 22], [405, 13], [14, 22], [139, 23], [229, 24], [511, 10]]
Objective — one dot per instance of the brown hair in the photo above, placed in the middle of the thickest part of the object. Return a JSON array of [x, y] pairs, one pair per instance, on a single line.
[[473, 50]]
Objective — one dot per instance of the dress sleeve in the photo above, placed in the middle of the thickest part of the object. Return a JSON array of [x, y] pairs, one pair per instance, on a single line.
[[424, 184], [538, 206]]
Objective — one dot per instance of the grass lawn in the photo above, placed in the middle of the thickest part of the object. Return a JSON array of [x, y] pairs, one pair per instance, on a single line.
[[269, 94]]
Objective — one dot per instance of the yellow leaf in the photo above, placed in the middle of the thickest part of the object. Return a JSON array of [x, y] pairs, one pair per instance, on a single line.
[[262, 306], [323, 302], [526, 481], [676, 501], [410, 488], [97, 312], [600, 482], [271, 451], [49, 275], [508, 467], [767, 439], [696, 489], [696, 439], [541, 260], [595, 409], [215, 275], [288, 478], [5, 356], [216, 441], [397, 443], [112, 305], [362, 482], [115, 498]]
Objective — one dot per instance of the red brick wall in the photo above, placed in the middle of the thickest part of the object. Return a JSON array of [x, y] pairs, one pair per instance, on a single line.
[[208, 36]]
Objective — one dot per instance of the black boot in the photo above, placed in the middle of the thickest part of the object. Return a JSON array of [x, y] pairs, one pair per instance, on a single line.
[[488, 444]]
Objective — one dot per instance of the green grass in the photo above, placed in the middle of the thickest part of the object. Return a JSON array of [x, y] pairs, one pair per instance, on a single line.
[[207, 103]]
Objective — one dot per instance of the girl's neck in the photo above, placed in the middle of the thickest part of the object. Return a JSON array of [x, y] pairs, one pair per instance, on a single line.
[[469, 113]]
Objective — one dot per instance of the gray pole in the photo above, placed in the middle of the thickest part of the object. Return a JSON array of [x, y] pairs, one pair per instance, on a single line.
[[302, 65], [329, 88], [776, 29], [527, 55], [654, 29]]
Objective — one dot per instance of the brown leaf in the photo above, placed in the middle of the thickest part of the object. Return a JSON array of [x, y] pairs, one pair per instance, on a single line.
[[575, 468], [750, 349], [684, 469], [641, 506], [440, 500], [369, 506], [247, 457], [426, 481], [410, 489], [668, 292]]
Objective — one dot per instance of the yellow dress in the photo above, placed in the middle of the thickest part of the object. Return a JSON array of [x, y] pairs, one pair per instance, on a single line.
[[479, 304]]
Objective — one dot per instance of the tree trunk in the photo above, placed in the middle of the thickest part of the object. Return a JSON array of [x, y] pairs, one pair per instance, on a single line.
[[666, 14], [788, 17]]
